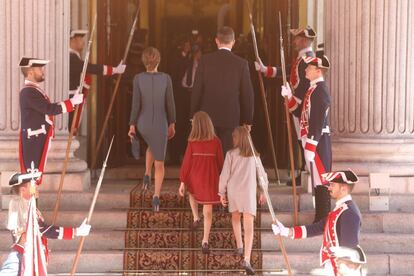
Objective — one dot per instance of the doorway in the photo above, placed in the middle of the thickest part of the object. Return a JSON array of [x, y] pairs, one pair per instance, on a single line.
[[164, 24]]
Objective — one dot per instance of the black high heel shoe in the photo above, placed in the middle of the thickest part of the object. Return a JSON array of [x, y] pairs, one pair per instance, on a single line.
[[156, 204], [146, 181], [248, 267]]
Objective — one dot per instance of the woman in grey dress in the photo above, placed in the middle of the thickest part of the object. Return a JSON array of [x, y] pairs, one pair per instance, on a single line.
[[153, 114]]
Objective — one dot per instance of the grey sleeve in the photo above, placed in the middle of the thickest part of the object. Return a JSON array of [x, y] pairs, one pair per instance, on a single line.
[[169, 102], [136, 103]]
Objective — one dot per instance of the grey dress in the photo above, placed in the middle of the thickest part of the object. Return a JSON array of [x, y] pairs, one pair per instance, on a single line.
[[153, 110]]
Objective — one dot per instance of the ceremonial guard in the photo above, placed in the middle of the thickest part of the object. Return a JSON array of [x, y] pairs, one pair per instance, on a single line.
[[312, 112], [340, 228], [77, 44], [302, 43], [17, 224], [37, 115]]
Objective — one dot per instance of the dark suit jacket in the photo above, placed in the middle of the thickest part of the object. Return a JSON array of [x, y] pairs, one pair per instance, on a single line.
[[223, 89]]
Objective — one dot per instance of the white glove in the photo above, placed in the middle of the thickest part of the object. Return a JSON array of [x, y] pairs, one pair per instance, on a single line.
[[286, 91], [76, 99], [259, 66], [280, 229], [83, 230], [120, 69], [309, 155]]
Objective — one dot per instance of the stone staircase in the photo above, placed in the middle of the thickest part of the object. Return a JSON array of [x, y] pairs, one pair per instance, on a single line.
[[387, 237]]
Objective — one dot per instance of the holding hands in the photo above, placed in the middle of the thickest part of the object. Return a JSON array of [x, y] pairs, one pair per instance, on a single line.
[[223, 200]]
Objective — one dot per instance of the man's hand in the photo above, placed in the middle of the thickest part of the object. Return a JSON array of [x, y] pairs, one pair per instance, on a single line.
[[286, 91], [120, 69], [76, 99], [262, 199], [248, 127], [132, 132], [83, 230], [280, 229]]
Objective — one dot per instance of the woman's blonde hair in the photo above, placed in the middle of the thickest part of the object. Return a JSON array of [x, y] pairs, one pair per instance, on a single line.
[[151, 57], [241, 135], [202, 127]]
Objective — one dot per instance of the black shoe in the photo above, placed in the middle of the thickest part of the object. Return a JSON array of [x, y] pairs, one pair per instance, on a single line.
[[249, 269], [196, 224], [146, 181], [205, 248], [238, 252], [155, 203]]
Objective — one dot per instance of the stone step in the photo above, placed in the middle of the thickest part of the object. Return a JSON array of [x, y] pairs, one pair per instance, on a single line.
[[308, 263], [371, 243], [105, 262], [371, 222], [106, 219], [89, 261], [98, 240]]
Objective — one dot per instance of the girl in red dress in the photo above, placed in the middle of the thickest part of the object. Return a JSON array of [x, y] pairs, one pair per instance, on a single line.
[[200, 170]]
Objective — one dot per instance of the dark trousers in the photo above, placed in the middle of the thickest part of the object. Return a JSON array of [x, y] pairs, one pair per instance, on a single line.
[[226, 138]]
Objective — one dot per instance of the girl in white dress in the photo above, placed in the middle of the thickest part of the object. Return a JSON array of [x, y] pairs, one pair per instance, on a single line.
[[237, 189]]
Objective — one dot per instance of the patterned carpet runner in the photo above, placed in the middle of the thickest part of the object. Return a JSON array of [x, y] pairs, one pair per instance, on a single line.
[[163, 242]]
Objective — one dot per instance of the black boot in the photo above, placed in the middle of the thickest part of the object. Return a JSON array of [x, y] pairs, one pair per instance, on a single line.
[[322, 202]]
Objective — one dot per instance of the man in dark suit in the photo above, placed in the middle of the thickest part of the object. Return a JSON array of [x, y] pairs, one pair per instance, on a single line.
[[223, 88]]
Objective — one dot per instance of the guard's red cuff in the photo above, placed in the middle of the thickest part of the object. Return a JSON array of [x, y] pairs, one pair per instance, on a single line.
[[19, 248], [66, 106], [292, 104], [88, 81], [311, 145], [68, 233], [108, 70], [299, 232], [270, 72]]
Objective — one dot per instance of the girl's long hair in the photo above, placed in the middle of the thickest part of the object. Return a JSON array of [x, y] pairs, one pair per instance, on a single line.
[[242, 142], [202, 127]]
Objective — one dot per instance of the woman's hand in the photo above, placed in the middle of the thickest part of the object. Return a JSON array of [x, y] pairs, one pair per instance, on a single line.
[[132, 132], [262, 199], [181, 190], [171, 130], [223, 200]]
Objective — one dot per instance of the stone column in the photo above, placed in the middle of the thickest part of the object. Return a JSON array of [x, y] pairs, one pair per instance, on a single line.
[[36, 28], [370, 44]]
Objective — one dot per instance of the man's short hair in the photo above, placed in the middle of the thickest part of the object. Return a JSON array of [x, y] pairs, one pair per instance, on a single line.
[[225, 35], [25, 71]]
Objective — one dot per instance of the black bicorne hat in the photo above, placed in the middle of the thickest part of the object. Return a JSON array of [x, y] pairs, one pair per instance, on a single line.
[[32, 62], [343, 177], [320, 60], [307, 32]]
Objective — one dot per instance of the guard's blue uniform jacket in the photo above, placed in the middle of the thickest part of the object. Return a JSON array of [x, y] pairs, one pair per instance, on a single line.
[[298, 81], [313, 112], [340, 228], [37, 125]]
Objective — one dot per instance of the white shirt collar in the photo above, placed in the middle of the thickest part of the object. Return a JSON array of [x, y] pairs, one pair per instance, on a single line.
[[343, 200], [27, 82], [315, 81], [304, 51], [74, 52], [225, 48]]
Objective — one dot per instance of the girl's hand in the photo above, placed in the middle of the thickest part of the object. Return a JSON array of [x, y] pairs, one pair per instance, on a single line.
[[132, 132], [171, 131], [262, 199], [181, 190], [223, 200]]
